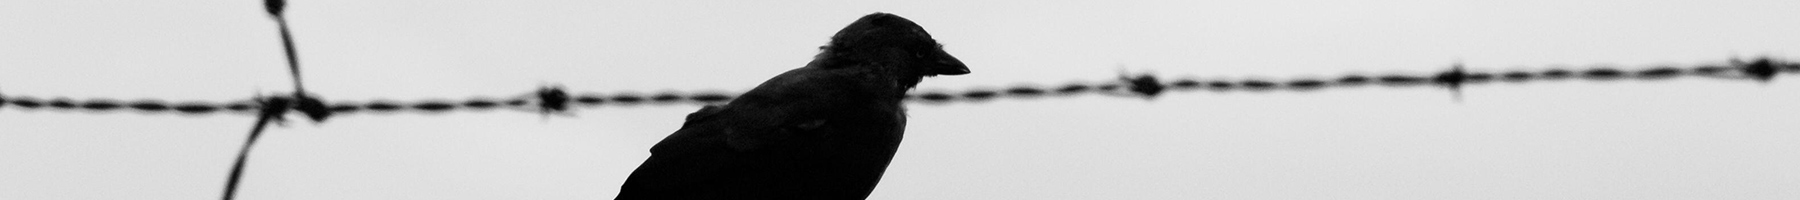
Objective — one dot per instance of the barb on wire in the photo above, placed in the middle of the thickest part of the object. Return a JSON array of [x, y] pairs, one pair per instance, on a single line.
[[1143, 84], [1452, 79], [552, 100]]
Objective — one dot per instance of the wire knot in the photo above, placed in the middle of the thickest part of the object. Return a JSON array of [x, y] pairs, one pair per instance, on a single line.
[[1452, 79], [274, 6], [1143, 84], [314, 108], [552, 99], [275, 107], [1762, 69]]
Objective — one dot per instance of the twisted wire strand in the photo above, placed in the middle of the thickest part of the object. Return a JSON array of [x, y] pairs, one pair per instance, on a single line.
[[554, 99]]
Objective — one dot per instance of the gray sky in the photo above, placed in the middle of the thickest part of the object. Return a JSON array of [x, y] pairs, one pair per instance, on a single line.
[[1680, 139]]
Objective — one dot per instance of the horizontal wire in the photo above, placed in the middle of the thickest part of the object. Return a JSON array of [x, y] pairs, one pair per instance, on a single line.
[[553, 99]]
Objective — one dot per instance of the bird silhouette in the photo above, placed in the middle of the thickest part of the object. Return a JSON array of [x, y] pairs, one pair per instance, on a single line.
[[823, 131]]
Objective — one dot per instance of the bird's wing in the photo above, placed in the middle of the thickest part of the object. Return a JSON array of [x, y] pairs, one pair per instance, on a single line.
[[716, 140], [694, 155]]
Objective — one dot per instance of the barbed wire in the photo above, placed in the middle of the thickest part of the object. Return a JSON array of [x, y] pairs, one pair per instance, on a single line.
[[554, 99]]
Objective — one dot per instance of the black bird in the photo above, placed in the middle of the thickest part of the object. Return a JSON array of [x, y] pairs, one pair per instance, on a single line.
[[823, 131]]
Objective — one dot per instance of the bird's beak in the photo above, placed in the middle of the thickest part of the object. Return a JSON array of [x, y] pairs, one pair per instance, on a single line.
[[949, 65]]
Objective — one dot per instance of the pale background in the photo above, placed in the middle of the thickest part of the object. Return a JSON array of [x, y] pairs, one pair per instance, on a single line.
[[1681, 139]]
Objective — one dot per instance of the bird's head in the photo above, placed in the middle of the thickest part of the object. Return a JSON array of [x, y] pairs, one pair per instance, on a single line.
[[894, 42]]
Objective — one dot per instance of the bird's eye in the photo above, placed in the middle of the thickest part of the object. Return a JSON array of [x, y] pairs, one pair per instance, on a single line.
[[917, 55]]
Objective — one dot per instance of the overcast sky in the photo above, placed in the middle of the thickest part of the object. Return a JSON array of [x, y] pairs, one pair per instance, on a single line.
[[1689, 138]]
